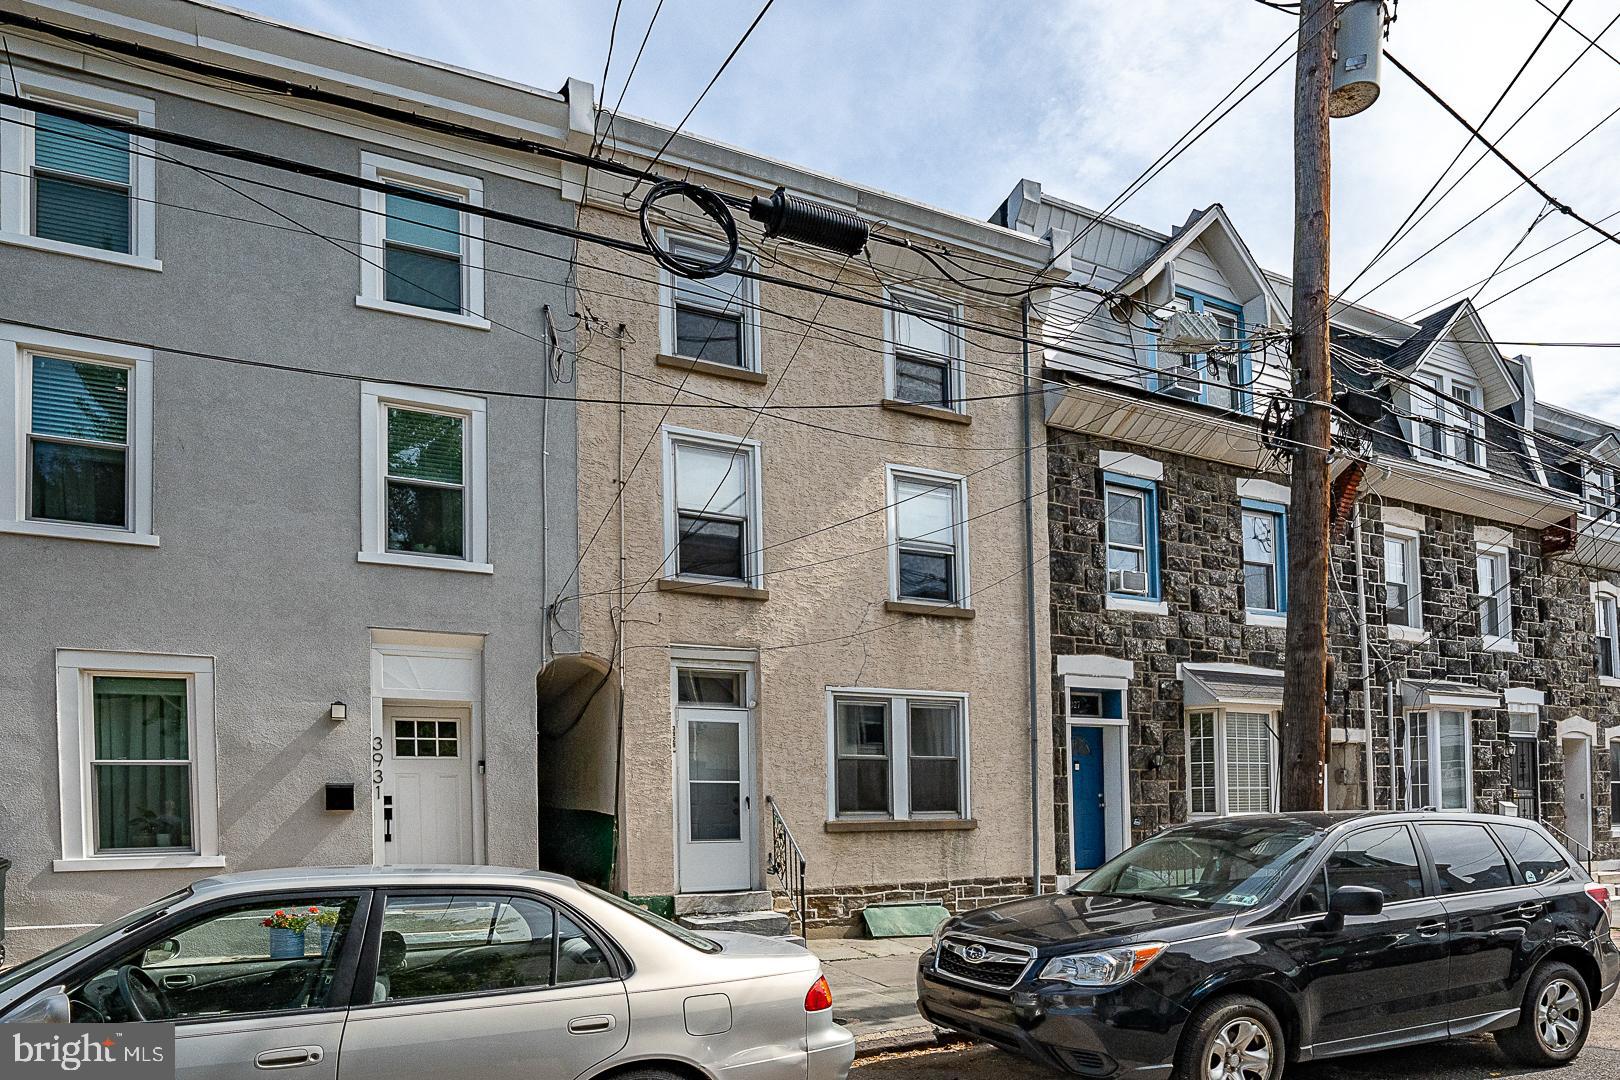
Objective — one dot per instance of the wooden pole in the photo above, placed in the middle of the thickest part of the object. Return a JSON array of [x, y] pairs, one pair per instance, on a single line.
[[1303, 732]]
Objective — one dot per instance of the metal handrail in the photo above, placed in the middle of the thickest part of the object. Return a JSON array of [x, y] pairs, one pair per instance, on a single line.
[[1573, 844], [786, 863]]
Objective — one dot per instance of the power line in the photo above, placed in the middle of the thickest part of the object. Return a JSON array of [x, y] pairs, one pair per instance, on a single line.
[[1529, 180], [613, 115]]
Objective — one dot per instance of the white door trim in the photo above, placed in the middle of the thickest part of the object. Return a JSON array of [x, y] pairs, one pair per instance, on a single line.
[[1586, 833], [703, 659], [442, 669]]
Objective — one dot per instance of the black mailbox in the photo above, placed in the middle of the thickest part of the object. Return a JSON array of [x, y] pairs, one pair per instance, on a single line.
[[340, 797]]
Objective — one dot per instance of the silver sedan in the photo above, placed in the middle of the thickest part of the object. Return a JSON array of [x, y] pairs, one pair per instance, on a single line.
[[433, 972]]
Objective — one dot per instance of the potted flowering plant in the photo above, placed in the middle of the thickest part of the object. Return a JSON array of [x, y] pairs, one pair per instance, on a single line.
[[287, 934], [326, 919]]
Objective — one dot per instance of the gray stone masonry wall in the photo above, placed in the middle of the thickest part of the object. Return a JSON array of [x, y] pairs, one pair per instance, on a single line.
[[840, 906], [1201, 579]]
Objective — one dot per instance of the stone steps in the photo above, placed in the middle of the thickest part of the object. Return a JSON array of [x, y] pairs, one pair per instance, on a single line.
[[764, 923], [723, 903]]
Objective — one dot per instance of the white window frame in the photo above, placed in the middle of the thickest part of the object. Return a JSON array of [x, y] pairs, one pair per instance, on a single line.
[[747, 299], [1410, 542], [1430, 719], [1437, 404], [962, 587], [900, 751], [1611, 739], [1498, 554], [75, 742], [1598, 493], [373, 236], [1222, 788], [17, 166], [18, 346], [1604, 592], [923, 304], [754, 529], [375, 398]]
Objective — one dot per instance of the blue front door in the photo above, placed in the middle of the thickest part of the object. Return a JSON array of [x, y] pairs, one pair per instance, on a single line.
[[1086, 776]]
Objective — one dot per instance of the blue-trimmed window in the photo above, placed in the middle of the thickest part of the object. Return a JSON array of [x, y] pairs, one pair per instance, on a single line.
[[1265, 557], [1199, 381], [1131, 528]]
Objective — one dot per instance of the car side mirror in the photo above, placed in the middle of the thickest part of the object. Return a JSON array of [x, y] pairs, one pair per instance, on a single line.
[[1350, 900], [161, 952], [47, 1007]]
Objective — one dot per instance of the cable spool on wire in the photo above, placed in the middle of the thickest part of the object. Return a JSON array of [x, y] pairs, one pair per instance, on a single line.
[[713, 208], [792, 218]]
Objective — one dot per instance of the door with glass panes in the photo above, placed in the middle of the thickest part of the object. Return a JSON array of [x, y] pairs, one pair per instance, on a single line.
[[427, 785], [714, 782]]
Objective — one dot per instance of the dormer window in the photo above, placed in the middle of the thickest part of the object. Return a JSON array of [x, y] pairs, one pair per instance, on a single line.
[[1448, 420], [1597, 490], [1199, 376]]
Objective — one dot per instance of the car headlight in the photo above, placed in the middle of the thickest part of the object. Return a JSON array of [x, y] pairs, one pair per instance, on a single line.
[[1107, 968]]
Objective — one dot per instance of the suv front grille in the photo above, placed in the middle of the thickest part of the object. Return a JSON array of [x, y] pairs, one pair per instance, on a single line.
[[983, 963]]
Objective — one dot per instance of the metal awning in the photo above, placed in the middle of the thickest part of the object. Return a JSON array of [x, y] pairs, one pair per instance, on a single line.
[[1416, 694], [1205, 685]]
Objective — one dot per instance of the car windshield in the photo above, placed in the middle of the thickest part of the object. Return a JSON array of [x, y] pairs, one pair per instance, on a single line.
[[17, 975], [1228, 863], [679, 933]]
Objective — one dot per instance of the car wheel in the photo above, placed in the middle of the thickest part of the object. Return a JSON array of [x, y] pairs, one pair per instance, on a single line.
[[1232, 1038], [1556, 1016]]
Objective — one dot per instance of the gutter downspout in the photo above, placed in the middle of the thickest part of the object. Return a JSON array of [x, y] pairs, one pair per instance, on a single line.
[[1366, 653], [1029, 616]]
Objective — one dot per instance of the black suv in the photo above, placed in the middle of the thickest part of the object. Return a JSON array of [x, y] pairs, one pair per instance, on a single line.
[[1223, 949]]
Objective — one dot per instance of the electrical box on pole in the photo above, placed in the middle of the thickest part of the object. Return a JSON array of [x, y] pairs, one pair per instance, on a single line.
[[1358, 57]]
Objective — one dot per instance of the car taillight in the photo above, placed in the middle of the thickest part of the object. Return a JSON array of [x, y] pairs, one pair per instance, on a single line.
[[818, 997], [1599, 895]]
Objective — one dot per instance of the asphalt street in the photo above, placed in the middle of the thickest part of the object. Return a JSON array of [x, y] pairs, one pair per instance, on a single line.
[[1460, 1059]]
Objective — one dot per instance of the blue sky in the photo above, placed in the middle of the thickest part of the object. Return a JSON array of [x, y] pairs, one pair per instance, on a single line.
[[952, 101]]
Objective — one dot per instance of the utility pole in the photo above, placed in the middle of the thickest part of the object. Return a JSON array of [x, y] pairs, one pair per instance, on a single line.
[[1303, 732]]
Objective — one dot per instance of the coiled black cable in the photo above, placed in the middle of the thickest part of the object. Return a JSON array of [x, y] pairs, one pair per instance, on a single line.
[[713, 207]]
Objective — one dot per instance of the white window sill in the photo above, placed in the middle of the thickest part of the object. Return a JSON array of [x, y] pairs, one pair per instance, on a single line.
[[1265, 618], [1413, 634], [1452, 464], [1133, 603], [1608, 680], [454, 318], [78, 251], [424, 562], [140, 862], [1501, 644], [63, 530]]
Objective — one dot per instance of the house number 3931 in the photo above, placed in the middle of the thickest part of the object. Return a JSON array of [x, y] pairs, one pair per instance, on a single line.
[[377, 771]]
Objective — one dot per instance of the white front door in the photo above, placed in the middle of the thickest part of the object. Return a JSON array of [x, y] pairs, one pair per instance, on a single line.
[[1578, 794], [427, 804], [714, 777]]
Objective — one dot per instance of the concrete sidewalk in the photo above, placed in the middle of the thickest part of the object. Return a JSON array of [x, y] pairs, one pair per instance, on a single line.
[[874, 986]]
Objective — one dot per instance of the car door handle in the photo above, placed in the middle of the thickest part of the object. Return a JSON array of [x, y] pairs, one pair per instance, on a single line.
[[289, 1057], [590, 1025], [178, 982], [1530, 909], [1430, 928]]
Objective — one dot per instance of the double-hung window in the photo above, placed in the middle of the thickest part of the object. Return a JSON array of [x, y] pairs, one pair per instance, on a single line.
[[1265, 557], [1449, 420], [71, 184], [710, 319], [1132, 524], [75, 437], [925, 351], [137, 759], [928, 537], [1403, 581], [1606, 633], [1231, 762], [1440, 771], [712, 507], [419, 253], [424, 484], [1494, 586], [1598, 492], [898, 755]]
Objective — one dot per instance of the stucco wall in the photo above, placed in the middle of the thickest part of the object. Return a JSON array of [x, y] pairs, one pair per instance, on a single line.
[[822, 625], [256, 495]]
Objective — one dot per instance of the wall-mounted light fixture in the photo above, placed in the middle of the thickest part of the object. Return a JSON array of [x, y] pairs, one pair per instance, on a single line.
[[340, 711]]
